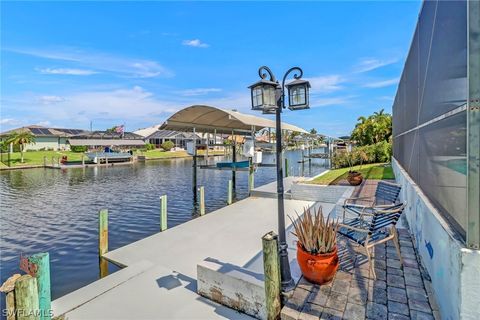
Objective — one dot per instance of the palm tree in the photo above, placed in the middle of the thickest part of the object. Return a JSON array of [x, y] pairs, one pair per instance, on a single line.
[[21, 139]]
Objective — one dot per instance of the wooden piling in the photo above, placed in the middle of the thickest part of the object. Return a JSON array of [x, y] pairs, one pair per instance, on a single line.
[[230, 192], [10, 305], [201, 191], [102, 232], [251, 177], [271, 267], [83, 159], [286, 167], [42, 261], [26, 298], [163, 213]]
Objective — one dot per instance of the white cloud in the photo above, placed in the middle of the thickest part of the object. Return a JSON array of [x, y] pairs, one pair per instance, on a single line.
[[198, 91], [102, 61], [195, 43], [46, 100], [369, 64], [381, 84], [9, 122], [326, 84], [323, 102], [66, 71]]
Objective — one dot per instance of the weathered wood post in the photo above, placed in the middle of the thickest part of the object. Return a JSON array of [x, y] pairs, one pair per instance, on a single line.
[[201, 191], [286, 167], [8, 287], [26, 298], [163, 213], [83, 160], [103, 241], [230, 192], [271, 267], [42, 274], [251, 176]]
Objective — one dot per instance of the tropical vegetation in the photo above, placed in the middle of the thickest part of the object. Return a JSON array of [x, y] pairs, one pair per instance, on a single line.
[[20, 139], [373, 129], [167, 145]]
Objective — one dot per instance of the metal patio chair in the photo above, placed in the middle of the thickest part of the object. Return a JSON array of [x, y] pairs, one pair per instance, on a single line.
[[386, 194], [374, 227]]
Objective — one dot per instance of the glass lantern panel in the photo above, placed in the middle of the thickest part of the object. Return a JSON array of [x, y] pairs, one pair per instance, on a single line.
[[297, 96], [257, 97], [269, 96]]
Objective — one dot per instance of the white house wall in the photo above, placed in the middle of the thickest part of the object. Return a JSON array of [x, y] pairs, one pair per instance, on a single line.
[[48, 143], [455, 270]]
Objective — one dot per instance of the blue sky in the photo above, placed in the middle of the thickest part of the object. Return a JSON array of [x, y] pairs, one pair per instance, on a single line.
[[66, 64]]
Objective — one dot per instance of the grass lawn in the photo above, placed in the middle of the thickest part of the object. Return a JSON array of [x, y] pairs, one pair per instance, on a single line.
[[36, 157], [369, 171]]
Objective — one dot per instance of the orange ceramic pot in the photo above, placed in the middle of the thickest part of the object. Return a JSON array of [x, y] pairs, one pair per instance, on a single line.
[[319, 268], [354, 178]]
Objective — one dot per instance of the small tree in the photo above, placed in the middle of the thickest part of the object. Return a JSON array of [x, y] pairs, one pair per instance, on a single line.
[[21, 139], [167, 145]]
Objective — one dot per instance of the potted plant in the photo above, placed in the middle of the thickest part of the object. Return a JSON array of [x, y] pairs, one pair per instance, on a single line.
[[355, 178], [317, 246]]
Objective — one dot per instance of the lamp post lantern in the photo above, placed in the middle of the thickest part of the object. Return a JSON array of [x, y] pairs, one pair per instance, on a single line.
[[269, 97]]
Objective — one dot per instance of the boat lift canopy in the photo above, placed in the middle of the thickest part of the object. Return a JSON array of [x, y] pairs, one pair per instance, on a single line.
[[211, 119]]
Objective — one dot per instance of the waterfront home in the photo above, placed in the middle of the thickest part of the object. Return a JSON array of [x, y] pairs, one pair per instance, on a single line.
[[45, 138]]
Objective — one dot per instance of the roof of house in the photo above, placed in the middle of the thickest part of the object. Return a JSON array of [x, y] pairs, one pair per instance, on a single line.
[[107, 135], [171, 134], [106, 142], [41, 131], [145, 132], [209, 119]]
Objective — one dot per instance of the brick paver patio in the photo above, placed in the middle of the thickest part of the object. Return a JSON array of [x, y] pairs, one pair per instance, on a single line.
[[397, 293]]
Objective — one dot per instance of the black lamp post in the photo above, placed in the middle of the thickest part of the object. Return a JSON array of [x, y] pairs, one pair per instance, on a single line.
[[269, 97]]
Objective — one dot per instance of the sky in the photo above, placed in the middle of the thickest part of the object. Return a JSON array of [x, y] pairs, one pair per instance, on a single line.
[[69, 64]]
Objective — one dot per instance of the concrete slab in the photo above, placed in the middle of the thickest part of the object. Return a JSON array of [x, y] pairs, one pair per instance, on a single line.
[[269, 190]]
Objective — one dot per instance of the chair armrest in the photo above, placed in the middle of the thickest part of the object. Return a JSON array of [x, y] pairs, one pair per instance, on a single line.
[[371, 201], [353, 228]]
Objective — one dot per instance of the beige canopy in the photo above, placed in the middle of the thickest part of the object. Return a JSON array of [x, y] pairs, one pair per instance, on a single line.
[[208, 118]]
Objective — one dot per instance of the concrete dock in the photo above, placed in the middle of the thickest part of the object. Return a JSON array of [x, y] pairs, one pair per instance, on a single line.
[[160, 275]]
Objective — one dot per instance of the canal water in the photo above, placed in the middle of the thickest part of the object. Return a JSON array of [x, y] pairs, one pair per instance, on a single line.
[[56, 211]]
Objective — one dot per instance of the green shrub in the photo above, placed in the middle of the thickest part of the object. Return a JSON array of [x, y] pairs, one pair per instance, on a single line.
[[379, 152], [149, 146], [78, 148], [167, 145]]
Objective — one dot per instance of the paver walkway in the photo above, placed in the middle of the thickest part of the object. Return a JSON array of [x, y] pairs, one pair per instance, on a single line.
[[354, 294]]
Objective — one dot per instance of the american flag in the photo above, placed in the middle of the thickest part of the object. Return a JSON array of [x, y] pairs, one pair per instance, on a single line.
[[119, 129]]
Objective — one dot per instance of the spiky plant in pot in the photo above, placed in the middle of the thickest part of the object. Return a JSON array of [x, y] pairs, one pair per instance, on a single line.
[[317, 245]]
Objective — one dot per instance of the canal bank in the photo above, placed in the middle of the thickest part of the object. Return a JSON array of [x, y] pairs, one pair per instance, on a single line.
[[160, 278], [58, 209]]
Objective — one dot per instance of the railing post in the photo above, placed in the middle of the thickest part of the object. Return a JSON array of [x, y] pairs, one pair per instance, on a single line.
[[201, 191], [26, 298], [271, 267], [42, 261], [163, 213], [230, 192]]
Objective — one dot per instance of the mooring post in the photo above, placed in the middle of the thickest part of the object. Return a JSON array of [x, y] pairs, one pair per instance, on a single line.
[[42, 261], [251, 176], [286, 166], [234, 174], [106, 160], [10, 305], [163, 213], [271, 269], [103, 241], [201, 191], [83, 159], [26, 298], [230, 192]]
